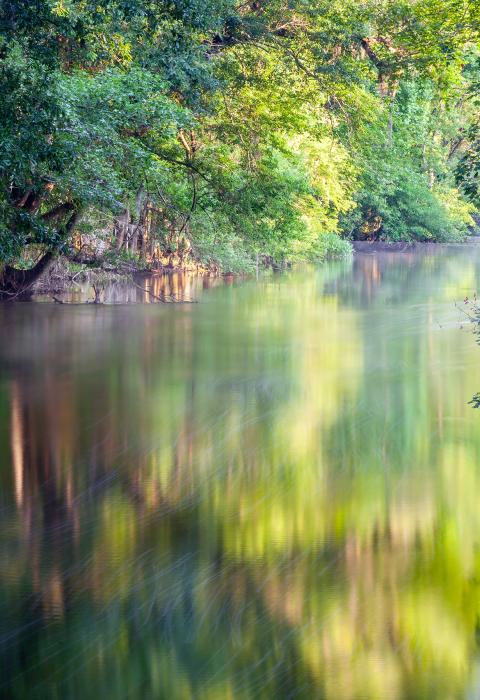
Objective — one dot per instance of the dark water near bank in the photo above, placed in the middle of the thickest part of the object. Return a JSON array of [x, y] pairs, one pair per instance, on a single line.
[[274, 493]]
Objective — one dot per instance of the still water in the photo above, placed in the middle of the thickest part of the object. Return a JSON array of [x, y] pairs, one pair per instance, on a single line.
[[273, 493]]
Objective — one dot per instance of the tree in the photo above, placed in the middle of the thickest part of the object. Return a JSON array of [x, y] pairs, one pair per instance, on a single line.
[[88, 98], [207, 129]]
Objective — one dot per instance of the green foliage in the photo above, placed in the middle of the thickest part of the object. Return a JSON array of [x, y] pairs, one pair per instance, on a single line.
[[397, 204], [248, 130], [468, 165], [407, 185], [330, 246], [468, 169]]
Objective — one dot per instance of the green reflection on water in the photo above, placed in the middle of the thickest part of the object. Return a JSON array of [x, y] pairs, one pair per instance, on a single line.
[[272, 494]]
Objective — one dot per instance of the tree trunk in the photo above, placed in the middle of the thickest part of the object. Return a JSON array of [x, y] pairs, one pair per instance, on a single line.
[[121, 225], [18, 283]]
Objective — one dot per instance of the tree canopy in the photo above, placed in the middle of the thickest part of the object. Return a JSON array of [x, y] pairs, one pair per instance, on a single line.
[[222, 130]]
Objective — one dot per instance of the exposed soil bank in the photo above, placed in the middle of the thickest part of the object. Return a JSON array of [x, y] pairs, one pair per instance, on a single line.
[[123, 284]]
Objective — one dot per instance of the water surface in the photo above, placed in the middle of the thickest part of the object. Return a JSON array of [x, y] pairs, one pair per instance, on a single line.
[[274, 493]]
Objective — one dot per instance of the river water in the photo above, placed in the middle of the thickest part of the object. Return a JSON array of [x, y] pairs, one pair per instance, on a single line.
[[273, 493]]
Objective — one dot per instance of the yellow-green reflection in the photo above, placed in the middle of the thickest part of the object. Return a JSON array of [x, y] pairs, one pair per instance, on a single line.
[[272, 494]]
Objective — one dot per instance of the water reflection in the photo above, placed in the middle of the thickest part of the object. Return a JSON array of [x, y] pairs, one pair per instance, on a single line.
[[166, 286], [270, 494]]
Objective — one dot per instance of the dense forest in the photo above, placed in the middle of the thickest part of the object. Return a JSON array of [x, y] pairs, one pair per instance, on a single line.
[[227, 132]]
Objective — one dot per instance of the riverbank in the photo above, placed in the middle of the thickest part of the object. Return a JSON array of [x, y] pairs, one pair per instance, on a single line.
[[71, 281], [65, 283]]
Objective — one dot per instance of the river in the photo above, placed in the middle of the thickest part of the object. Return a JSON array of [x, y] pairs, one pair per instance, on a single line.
[[273, 493]]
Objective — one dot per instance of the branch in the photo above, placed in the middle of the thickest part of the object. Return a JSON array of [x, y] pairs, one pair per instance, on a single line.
[[378, 63], [192, 208], [64, 208], [186, 164]]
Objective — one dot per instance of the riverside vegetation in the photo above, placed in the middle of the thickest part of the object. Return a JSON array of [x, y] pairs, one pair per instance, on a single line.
[[222, 133]]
